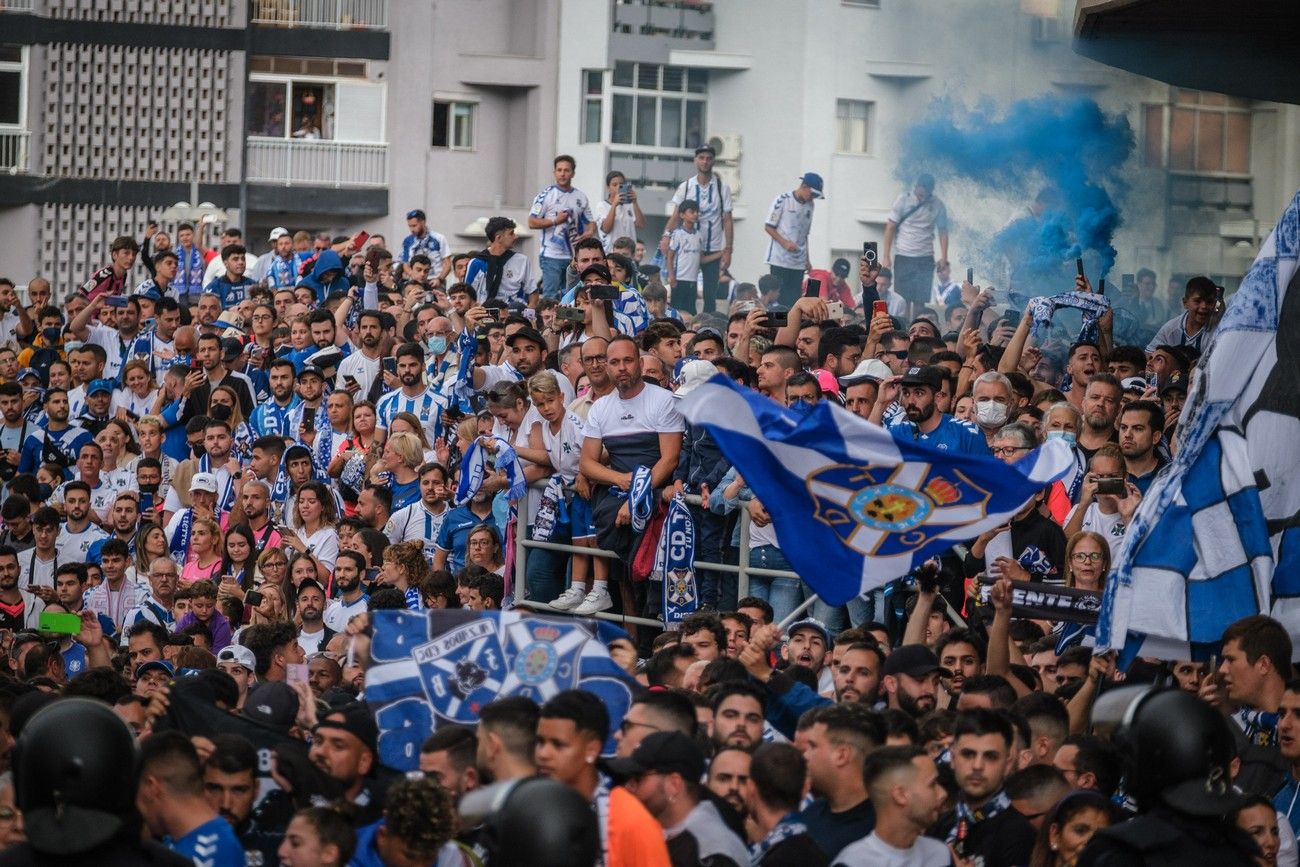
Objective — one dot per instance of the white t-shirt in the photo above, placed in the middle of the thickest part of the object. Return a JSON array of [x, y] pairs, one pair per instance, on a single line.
[[33, 570], [323, 545], [714, 199], [338, 613], [792, 220], [557, 241], [1110, 527], [624, 222], [310, 642], [871, 851], [72, 547], [564, 446], [687, 248], [652, 411], [101, 497], [362, 369], [915, 236], [415, 522]]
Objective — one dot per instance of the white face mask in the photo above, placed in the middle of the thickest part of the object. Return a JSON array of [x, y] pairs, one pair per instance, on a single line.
[[990, 413]]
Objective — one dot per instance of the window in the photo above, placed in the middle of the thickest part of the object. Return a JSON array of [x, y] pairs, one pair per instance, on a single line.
[[13, 86], [593, 91], [341, 107], [853, 126], [657, 106], [453, 125], [1202, 133]]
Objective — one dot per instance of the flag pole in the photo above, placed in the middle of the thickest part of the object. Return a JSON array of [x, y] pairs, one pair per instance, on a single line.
[[795, 614]]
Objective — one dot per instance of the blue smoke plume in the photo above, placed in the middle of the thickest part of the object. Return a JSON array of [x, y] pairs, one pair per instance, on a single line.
[[1062, 154]]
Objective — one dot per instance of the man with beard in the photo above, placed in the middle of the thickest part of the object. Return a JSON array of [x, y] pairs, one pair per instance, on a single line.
[[806, 644], [253, 510], [911, 679], [962, 653], [271, 418], [352, 598], [593, 359], [344, 748], [422, 520], [526, 356], [119, 342], [835, 747], [211, 356], [230, 787], [857, 675], [1100, 405], [905, 790], [661, 711], [311, 388], [983, 827], [124, 517], [78, 532], [215, 461], [60, 442], [728, 774], [414, 395], [313, 634], [738, 715], [924, 422], [14, 431], [359, 371], [19, 609]]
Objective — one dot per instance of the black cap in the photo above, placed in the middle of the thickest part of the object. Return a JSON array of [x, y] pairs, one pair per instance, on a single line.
[[356, 720], [914, 660], [705, 149], [1175, 383], [663, 753], [311, 370], [840, 268], [530, 334], [273, 704], [309, 582], [597, 269], [929, 375], [230, 348]]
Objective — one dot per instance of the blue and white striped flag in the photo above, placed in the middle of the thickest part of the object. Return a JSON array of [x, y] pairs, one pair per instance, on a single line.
[[1217, 536], [854, 508]]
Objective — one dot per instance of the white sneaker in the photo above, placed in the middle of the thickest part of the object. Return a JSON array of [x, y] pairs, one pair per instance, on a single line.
[[596, 600], [569, 598]]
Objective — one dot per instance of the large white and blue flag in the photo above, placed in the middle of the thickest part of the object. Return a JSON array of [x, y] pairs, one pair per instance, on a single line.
[[853, 507], [434, 667], [1217, 536]]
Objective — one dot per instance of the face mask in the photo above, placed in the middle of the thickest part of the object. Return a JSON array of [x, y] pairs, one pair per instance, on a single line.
[[51, 335], [197, 450], [220, 412], [44, 491], [437, 344], [1066, 435], [990, 413]]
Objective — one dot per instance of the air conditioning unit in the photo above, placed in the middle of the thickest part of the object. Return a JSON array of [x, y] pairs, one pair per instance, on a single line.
[[729, 175], [727, 146]]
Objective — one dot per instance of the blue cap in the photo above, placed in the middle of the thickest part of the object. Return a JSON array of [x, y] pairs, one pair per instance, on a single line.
[[98, 385], [29, 371], [154, 665], [814, 182], [151, 293]]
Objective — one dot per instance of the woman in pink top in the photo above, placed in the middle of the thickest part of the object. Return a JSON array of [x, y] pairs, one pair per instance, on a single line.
[[204, 563]]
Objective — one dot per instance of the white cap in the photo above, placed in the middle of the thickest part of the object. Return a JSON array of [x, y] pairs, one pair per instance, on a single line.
[[204, 482], [238, 654], [278, 232], [871, 368], [694, 374]]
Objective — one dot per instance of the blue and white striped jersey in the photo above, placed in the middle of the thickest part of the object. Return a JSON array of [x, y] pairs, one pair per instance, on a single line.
[[427, 406]]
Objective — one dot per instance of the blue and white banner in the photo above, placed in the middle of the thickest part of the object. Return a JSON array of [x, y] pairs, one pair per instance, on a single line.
[[854, 508], [474, 469], [441, 666], [675, 564], [1217, 536]]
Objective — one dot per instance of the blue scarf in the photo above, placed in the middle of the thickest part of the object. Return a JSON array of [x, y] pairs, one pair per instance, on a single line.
[[968, 818], [641, 499], [463, 388], [675, 563], [474, 469], [179, 544], [322, 453], [789, 826], [226, 498], [551, 511], [1040, 311]]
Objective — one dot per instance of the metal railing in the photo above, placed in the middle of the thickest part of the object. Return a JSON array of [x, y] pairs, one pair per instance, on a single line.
[[317, 162], [742, 571], [321, 14], [14, 150]]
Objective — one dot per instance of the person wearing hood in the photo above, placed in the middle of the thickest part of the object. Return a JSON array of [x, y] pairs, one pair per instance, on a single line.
[[327, 275]]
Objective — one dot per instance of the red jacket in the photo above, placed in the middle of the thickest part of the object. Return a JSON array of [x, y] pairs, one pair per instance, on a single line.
[[833, 288]]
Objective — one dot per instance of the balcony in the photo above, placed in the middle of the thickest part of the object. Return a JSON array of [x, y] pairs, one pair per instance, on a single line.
[[14, 150], [686, 24], [649, 170], [316, 163], [320, 14], [17, 6]]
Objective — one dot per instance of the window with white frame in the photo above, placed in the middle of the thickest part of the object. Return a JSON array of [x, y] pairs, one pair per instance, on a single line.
[[340, 107], [453, 124], [658, 106], [13, 86], [593, 93], [853, 126], [1200, 132]]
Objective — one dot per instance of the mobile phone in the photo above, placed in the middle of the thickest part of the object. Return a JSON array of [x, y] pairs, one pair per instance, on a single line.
[[372, 573], [308, 422], [295, 672], [116, 301], [879, 308], [531, 315], [359, 239], [146, 502], [195, 364], [777, 319], [625, 192], [1011, 317], [1101, 286], [349, 379], [390, 364], [253, 598], [63, 624], [834, 309], [1078, 265], [1111, 487], [970, 276], [869, 252], [570, 314], [602, 292], [814, 289]]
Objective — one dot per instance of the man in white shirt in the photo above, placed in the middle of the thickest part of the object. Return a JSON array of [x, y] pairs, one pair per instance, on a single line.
[[906, 794], [715, 227], [78, 533], [618, 215], [351, 601], [564, 216], [499, 272], [358, 372], [787, 228], [914, 221], [313, 634]]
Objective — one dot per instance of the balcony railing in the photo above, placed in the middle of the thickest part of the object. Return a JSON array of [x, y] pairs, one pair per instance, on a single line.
[[676, 19], [316, 163], [13, 150], [646, 169], [17, 6], [322, 14]]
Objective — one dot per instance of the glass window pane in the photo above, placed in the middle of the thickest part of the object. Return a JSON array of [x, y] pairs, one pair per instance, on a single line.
[[1213, 99], [697, 81], [670, 128], [441, 112], [841, 134], [1188, 97], [1182, 139], [674, 78], [1209, 141], [594, 81], [357, 70], [266, 108], [859, 131], [320, 67], [695, 133], [1153, 135], [11, 83], [259, 64], [623, 74], [646, 108], [309, 111], [647, 76], [591, 121], [11, 53], [463, 125], [1237, 156], [622, 128]]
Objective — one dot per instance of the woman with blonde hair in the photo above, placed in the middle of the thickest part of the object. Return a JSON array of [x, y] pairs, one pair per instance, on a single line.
[[401, 460], [1087, 561], [408, 422], [206, 546], [406, 568], [272, 608], [150, 544], [272, 566]]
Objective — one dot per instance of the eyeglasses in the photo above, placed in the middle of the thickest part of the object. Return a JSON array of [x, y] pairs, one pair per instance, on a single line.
[[900, 354], [1008, 451], [274, 565], [162, 574], [593, 359], [1086, 556]]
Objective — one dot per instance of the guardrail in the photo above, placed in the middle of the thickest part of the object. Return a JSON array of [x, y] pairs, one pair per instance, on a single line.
[[321, 14], [317, 162], [14, 151]]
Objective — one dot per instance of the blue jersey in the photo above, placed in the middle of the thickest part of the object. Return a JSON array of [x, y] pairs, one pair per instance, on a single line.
[[41, 445], [951, 435], [427, 406], [454, 533], [271, 419], [212, 844]]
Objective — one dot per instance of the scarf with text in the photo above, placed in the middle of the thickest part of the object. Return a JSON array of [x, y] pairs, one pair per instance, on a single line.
[[474, 469], [675, 564]]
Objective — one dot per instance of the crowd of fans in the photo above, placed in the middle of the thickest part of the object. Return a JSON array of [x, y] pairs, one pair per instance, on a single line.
[[216, 466]]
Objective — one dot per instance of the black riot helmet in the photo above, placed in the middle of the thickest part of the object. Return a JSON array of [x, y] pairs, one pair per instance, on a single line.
[[75, 777], [536, 822], [1178, 749]]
